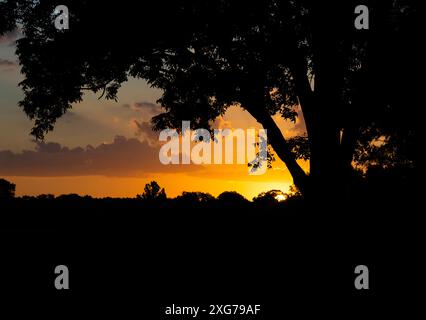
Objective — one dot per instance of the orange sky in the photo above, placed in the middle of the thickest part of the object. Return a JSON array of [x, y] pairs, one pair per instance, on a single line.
[[106, 148], [213, 179], [99, 186], [175, 179]]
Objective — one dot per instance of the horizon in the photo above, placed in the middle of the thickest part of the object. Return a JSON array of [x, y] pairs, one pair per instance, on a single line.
[[93, 123], [68, 183]]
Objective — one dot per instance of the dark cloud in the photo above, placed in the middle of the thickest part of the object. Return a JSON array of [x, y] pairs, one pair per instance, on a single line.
[[50, 147], [146, 106], [154, 108], [145, 110], [122, 157]]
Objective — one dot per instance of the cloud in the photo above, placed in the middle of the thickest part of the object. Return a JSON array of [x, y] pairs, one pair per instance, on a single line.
[[144, 131], [10, 37], [7, 64], [122, 157], [144, 106], [154, 108], [143, 112]]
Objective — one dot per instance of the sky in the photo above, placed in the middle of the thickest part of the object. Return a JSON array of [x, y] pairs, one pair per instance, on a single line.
[[107, 148]]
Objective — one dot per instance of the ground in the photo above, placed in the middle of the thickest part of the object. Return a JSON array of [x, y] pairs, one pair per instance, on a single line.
[[288, 259]]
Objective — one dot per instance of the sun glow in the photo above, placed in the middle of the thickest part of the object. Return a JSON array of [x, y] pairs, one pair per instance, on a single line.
[[280, 197]]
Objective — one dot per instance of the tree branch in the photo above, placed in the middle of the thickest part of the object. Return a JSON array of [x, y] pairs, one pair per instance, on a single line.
[[280, 145]]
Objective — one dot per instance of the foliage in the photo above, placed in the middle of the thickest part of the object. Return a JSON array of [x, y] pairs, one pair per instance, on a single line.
[[293, 193], [153, 191], [232, 198], [7, 189], [269, 57], [269, 197], [195, 198]]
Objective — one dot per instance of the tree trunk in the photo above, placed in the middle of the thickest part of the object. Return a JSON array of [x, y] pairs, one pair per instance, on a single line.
[[279, 144]]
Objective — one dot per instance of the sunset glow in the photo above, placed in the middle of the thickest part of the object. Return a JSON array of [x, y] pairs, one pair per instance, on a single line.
[[280, 197], [96, 126]]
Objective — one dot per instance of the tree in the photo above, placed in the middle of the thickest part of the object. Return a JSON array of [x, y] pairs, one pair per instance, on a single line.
[[232, 198], [270, 197], [45, 197], [153, 191], [269, 57], [293, 193], [7, 189], [193, 198]]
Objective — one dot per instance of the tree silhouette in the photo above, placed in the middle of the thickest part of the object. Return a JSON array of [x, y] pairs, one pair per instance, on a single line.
[[193, 198], [232, 198], [270, 197], [45, 197], [153, 191], [293, 193], [268, 57], [7, 189]]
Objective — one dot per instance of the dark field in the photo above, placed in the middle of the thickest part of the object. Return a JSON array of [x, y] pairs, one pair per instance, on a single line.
[[287, 257]]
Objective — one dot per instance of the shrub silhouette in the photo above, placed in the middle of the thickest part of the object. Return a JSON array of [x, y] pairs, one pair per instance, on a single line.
[[7, 189], [72, 197], [188, 198], [268, 198], [232, 198], [45, 197], [293, 193]]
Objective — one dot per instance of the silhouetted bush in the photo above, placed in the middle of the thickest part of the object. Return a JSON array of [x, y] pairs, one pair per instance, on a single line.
[[232, 198], [45, 197], [73, 197], [190, 198], [293, 194], [7, 189], [270, 197]]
